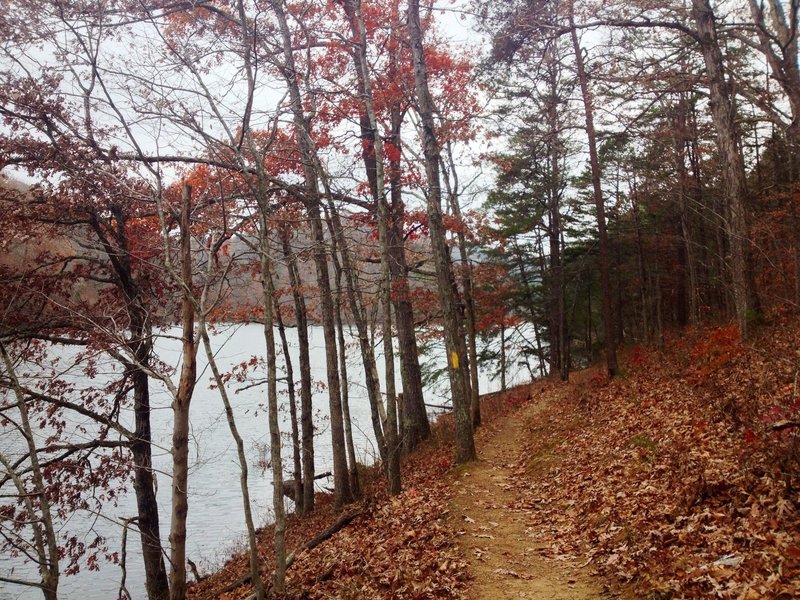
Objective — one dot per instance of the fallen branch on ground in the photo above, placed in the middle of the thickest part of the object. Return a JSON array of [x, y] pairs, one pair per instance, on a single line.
[[339, 524]]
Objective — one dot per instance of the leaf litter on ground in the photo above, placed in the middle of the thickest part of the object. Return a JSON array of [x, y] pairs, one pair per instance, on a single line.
[[672, 478]]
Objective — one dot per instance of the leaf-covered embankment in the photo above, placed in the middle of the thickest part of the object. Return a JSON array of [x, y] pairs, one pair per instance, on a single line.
[[681, 476], [395, 548]]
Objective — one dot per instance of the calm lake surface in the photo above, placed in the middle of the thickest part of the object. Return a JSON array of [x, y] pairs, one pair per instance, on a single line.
[[215, 521]]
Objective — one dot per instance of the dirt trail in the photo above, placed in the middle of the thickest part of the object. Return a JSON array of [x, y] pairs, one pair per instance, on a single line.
[[503, 551]]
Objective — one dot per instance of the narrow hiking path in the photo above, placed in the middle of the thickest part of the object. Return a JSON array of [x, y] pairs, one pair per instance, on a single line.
[[503, 550]]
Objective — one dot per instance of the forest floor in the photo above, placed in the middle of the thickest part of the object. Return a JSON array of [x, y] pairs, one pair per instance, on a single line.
[[677, 479]]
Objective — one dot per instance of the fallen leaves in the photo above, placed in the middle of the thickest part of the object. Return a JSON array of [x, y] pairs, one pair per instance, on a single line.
[[673, 478], [655, 480], [397, 547]]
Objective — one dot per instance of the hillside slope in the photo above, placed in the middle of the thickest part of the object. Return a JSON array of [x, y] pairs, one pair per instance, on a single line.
[[679, 479]]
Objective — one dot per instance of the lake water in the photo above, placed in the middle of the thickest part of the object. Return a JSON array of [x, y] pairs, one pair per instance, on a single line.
[[215, 522]]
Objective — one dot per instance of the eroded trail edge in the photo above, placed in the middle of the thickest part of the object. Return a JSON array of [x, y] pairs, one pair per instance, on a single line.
[[504, 550]]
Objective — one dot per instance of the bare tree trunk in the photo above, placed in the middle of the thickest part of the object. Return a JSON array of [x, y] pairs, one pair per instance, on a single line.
[[44, 533], [371, 379], [558, 318], [683, 199], [643, 297], [453, 326], [348, 426], [297, 469], [537, 334], [778, 42], [415, 425], [140, 345], [374, 162], [588, 331], [707, 259], [503, 358], [255, 576], [306, 410], [342, 492], [156, 582], [180, 409], [466, 285], [609, 332], [341, 481], [733, 169], [390, 431], [267, 291]]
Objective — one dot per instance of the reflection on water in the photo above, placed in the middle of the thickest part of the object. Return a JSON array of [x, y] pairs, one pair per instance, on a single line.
[[215, 521]]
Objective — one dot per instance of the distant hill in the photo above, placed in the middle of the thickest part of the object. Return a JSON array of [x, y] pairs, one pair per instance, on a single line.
[[32, 265]]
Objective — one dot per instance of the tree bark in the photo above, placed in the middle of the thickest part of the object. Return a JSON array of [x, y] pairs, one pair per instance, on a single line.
[[341, 481], [352, 461], [467, 297], [297, 469], [267, 291], [609, 332], [453, 325], [180, 409], [558, 338], [140, 345], [306, 408], [354, 296], [415, 424], [156, 582], [390, 431], [733, 170], [780, 46]]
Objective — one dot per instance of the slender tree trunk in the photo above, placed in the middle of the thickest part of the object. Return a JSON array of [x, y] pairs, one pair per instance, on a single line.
[[255, 576], [557, 302], [659, 310], [341, 481], [589, 316], [779, 43], [683, 199], [306, 408], [795, 239], [156, 582], [352, 461], [297, 469], [453, 326], [390, 431], [276, 460], [733, 169], [527, 282], [503, 358], [537, 332], [467, 296], [180, 409], [45, 540], [373, 156], [415, 424], [140, 345], [642, 264], [371, 379], [706, 292], [605, 271], [342, 492]]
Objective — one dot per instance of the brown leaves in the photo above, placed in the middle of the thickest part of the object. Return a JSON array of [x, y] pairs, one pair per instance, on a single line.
[[656, 480], [398, 548]]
